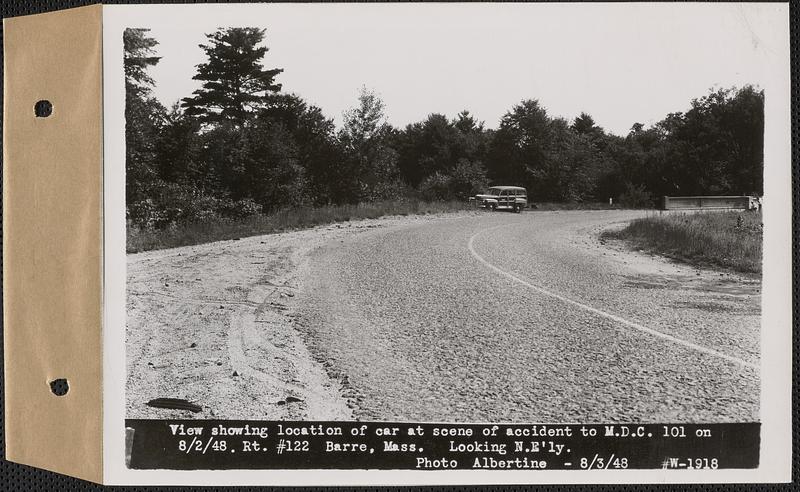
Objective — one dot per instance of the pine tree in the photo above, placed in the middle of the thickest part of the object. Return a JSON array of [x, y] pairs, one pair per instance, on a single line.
[[139, 52], [235, 83], [143, 118], [584, 124]]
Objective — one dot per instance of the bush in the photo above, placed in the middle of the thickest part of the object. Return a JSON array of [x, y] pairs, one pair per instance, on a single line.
[[174, 203], [436, 187], [240, 209], [636, 196], [468, 179]]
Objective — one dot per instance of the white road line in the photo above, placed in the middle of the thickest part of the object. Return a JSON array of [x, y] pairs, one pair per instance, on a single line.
[[613, 317]]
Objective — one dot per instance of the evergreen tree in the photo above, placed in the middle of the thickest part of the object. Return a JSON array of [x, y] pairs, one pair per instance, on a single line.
[[143, 119], [584, 124], [139, 55], [235, 83]]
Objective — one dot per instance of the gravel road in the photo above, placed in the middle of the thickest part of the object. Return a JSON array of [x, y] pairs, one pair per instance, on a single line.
[[469, 317], [215, 324], [529, 318]]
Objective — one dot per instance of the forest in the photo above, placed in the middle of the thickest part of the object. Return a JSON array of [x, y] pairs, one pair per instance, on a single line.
[[243, 145]]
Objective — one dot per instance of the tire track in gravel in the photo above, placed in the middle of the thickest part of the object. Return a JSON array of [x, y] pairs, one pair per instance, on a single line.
[[215, 324]]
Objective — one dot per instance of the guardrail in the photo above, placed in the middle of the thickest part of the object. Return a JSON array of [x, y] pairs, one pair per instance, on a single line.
[[709, 202]]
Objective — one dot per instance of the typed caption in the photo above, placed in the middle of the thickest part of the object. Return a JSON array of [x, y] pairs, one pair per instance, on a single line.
[[228, 444]]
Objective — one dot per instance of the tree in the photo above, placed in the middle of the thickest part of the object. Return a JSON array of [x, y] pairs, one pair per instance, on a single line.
[[438, 144], [584, 124], [744, 122], [716, 147], [570, 169], [330, 176], [473, 137], [143, 118], [718, 144], [265, 168], [364, 137], [364, 125], [235, 83], [519, 146], [177, 150], [426, 148], [548, 156], [139, 55]]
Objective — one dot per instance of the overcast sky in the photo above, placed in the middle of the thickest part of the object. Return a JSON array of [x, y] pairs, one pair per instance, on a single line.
[[621, 63]]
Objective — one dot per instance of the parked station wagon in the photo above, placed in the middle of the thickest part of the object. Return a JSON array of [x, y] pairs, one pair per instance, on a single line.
[[512, 198]]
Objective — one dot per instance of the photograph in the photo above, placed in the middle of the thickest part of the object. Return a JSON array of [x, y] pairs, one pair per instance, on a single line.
[[447, 213]]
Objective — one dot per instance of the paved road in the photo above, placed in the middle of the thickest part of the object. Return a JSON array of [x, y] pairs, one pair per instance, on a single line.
[[529, 318]]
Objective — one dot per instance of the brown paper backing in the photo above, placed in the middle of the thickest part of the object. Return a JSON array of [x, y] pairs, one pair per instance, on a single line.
[[52, 241]]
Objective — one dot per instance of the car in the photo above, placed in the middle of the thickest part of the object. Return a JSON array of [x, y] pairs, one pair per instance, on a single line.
[[514, 198]]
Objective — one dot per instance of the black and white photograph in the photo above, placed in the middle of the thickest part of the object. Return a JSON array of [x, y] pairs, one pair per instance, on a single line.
[[447, 214]]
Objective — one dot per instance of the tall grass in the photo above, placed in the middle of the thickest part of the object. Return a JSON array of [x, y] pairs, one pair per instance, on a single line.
[[219, 229], [726, 239]]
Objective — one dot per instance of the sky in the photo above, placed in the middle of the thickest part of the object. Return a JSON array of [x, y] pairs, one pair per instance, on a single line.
[[621, 63]]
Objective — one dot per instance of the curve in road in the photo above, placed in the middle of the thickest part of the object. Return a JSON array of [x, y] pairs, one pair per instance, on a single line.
[[474, 319], [599, 312]]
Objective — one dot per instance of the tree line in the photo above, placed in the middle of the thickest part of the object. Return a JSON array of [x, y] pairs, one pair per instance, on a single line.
[[241, 145]]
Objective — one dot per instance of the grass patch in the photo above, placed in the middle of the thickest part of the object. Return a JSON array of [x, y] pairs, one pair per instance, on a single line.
[[724, 239], [301, 218]]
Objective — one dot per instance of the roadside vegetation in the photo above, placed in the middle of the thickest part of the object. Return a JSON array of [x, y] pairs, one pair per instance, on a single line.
[[244, 153], [213, 228], [219, 229], [723, 239]]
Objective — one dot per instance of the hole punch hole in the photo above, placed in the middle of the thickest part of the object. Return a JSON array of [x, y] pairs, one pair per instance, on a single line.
[[43, 108], [59, 387]]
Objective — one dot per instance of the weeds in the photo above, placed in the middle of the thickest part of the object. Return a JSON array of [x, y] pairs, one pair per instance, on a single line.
[[725, 239]]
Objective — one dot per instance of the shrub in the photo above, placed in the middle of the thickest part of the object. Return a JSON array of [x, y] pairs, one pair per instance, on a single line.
[[436, 187], [240, 209], [174, 203], [636, 196], [467, 179]]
